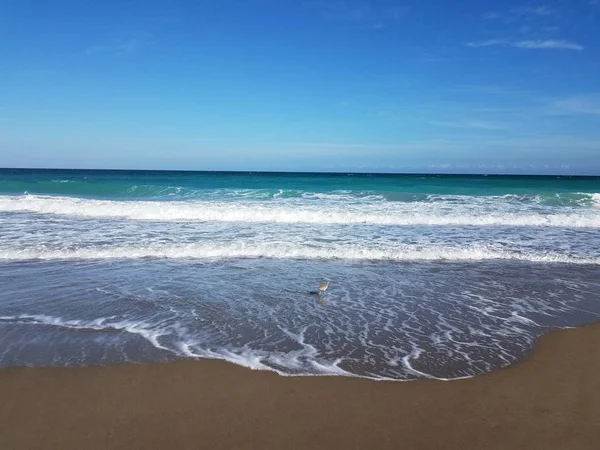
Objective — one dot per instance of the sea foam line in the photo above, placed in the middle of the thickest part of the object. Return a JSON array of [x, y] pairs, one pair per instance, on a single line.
[[379, 213], [283, 251], [101, 324], [304, 362]]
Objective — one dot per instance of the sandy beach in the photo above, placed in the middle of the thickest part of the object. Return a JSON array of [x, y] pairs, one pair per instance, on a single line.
[[549, 401]]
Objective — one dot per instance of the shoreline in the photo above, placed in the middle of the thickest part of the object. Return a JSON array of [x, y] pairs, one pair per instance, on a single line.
[[550, 400]]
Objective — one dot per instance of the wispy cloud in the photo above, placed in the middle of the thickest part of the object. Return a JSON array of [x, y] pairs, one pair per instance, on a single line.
[[118, 48], [488, 89], [521, 13], [489, 43], [358, 11], [576, 106], [549, 44], [426, 145], [541, 10], [531, 106], [470, 124], [492, 15], [551, 28]]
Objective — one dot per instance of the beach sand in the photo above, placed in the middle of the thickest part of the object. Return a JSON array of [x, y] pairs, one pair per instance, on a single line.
[[549, 401]]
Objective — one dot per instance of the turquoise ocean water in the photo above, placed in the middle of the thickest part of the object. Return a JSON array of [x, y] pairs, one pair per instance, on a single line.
[[441, 276]]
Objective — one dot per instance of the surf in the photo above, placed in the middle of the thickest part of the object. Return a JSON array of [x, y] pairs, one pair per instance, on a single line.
[[472, 213], [236, 250]]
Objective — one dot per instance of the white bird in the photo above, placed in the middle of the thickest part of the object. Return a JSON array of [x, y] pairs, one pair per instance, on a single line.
[[324, 286]]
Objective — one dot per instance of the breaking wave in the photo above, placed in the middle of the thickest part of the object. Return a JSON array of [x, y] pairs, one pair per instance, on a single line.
[[403, 252], [380, 213]]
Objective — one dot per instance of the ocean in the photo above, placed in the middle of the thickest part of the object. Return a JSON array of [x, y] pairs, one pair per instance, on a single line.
[[431, 276]]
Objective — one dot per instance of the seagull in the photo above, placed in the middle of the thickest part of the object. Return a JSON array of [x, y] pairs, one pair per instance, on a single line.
[[324, 287]]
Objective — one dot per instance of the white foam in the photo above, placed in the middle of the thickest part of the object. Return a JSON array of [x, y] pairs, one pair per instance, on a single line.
[[302, 362], [401, 252], [103, 323], [414, 355], [380, 213], [343, 196]]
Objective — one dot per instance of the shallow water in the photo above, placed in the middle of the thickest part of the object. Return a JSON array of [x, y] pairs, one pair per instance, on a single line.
[[441, 277]]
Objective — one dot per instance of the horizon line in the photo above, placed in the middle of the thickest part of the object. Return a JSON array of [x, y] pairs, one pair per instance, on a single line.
[[458, 174]]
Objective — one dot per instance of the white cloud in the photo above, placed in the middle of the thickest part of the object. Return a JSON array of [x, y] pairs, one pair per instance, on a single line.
[[529, 45], [548, 44], [489, 43]]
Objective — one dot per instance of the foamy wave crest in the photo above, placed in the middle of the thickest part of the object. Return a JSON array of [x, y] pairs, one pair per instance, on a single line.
[[281, 251], [343, 196], [380, 213]]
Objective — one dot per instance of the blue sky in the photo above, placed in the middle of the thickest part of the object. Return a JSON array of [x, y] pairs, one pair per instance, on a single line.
[[324, 85]]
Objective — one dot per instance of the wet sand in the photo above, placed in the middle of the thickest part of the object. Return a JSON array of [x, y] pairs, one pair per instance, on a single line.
[[549, 401]]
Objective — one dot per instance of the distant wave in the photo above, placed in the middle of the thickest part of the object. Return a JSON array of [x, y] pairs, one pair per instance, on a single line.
[[299, 211], [572, 199], [294, 251], [175, 188]]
